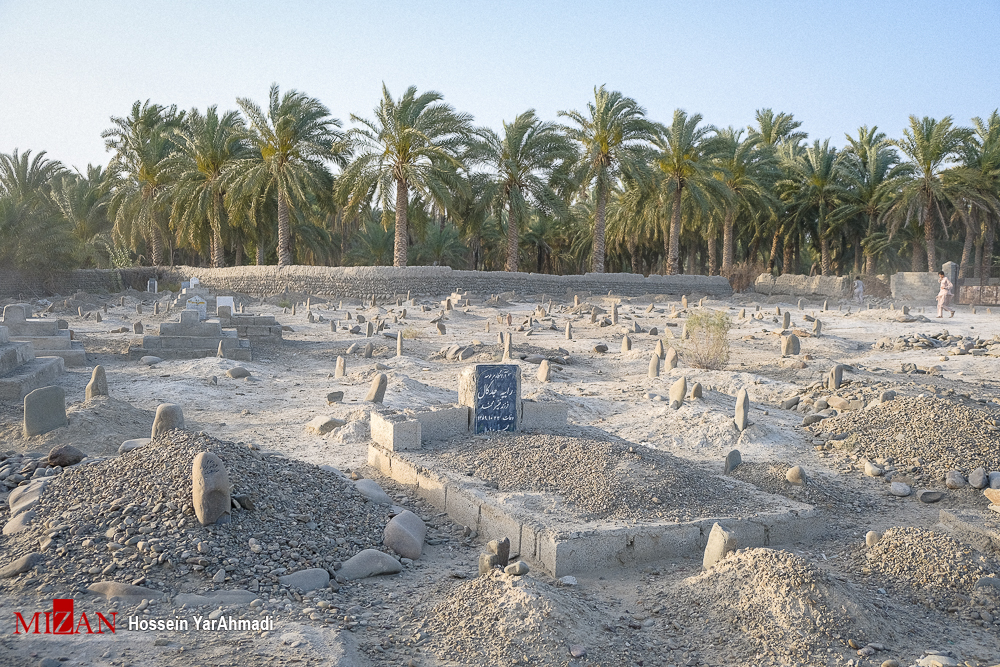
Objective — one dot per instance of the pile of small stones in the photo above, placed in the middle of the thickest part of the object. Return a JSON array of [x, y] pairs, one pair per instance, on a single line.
[[599, 479], [928, 567], [130, 519], [775, 603], [500, 619], [936, 434], [948, 343]]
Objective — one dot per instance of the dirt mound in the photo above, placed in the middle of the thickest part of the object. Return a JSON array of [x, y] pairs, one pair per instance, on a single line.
[[97, 427], [944, 434], [598, 479], [770, 477], [499, 619], [774, 602], [922, 565], [131, 517]]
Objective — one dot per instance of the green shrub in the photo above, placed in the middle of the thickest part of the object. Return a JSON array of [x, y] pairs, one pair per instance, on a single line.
[[708, 339], [284, 303]]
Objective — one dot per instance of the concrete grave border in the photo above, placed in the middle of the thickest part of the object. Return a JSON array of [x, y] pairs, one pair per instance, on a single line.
[[567, 552]]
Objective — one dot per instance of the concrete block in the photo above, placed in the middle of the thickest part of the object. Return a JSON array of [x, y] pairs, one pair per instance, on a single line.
[[544, 415], [433, 489], [463, 506], [29, 376], [443, 423], [395, 432], [496, 524], [380, 459]]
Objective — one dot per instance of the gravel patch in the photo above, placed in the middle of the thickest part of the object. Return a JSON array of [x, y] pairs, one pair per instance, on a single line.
[[922, 565], [773, 607], [942, 433], [130, 519], [601, 479]]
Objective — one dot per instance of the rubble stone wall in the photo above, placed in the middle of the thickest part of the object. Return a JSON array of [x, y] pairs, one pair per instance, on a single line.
[[795, 285], [364, 281]]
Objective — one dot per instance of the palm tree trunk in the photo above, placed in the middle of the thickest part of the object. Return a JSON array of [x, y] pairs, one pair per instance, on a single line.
[[917, 261], [284, 233], [727, 242], [824, 244], [674, 253], [788, 258], [155, 246], [633, 251], [713, 256], [218, 250], [401, 242], [602, 202], [773, 257], [512, 245], [966, 263], [238, 260], [857, 254], [929, 235], [869, 258], [987, 265]]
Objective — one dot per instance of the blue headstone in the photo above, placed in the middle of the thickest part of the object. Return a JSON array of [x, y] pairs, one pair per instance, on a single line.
[[496, 398]]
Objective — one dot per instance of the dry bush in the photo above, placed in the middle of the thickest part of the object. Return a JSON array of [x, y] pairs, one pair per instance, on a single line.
[[410, 333], [743, 275], [708, 340]]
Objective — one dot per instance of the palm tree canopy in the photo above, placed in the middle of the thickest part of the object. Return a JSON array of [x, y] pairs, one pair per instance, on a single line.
[[416, 140], [614, 136]]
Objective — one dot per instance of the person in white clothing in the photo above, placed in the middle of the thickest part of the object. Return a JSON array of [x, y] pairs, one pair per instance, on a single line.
[[859, 290], [944, 296]]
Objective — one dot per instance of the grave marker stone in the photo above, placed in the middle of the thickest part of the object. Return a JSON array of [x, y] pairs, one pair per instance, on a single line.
[[493, 391], [44, 410], [199, 305]]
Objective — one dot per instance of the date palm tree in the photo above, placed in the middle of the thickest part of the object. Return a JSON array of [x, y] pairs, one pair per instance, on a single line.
[[290, 143], [815, 191], [207, 146], [614, 136], [685, 160], [930, 145], [82, 200], [141, 142], [413, 143], [33, 237], [873, 174], [523, 164], [749, 172]]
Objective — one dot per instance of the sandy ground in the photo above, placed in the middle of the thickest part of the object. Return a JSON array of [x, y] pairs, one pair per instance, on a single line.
[[649, 615]]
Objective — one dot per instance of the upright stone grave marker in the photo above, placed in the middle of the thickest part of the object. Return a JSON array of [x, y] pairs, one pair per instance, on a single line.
[[493, 391], [198, 304]]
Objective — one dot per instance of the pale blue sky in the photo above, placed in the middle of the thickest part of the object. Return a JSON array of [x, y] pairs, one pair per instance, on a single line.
[[66, 67]]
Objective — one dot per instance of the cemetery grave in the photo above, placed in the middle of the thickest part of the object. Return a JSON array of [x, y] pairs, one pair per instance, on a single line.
[[515, 485]]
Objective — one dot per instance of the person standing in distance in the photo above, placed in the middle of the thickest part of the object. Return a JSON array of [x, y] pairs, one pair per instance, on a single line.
[[859, 290], [944, 296]]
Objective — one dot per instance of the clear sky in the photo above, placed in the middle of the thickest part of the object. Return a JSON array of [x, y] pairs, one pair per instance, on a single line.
[[66, 67]]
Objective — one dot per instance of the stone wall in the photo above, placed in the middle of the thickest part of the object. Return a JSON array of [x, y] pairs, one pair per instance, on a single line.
[[365, 281], [835, 287], [915, 285]]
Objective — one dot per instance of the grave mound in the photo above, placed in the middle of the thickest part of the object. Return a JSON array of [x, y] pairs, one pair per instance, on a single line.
[[910, 427], [499, 619], [97, 427], [596, 479], [820, 491], [767, 600], [926, 566], [302, 517]]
